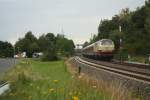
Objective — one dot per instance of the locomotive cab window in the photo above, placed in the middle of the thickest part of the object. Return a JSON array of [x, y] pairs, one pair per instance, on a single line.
[[106, 42]]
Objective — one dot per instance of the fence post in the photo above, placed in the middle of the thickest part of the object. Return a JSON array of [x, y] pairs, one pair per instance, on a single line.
[[79, 69]]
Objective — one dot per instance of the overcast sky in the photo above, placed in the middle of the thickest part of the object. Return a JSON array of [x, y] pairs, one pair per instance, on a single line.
[[77, 18]]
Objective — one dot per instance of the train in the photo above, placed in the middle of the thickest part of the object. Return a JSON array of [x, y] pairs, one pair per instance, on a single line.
[[102, 49]]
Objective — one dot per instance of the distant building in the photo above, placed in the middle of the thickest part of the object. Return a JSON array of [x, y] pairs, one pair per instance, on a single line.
[[20, 55], [37, 54]]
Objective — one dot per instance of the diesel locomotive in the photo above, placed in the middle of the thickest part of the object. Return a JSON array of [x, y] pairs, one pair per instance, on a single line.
[[102, 49]]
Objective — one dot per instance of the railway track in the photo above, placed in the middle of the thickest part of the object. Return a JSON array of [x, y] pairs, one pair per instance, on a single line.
[[123, 66], [139, 65], [140, 75]]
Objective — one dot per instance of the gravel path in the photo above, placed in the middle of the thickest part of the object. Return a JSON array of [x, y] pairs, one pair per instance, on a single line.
[[6, 64]]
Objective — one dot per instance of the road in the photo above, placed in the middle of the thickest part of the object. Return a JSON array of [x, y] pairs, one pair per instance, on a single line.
[[6, 64]]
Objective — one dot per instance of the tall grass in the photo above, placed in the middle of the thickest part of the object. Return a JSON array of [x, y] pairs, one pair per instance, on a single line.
[[36, 80], [142, 59], [115, 89]]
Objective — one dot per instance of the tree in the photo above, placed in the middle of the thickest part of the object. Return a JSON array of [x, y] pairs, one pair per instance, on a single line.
[[6, 49], [48, 42], [85, 44], [27, 44], [64, 46], [42, 42], [115, 36], [93, 39], [135, 27], [69, 47]]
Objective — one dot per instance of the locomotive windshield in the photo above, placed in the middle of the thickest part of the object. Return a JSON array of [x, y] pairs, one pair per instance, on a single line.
[[106, 42]]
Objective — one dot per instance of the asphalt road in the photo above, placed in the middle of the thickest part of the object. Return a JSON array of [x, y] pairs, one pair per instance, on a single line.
[[6, 64]]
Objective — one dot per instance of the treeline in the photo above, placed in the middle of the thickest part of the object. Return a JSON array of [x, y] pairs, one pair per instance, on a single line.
[[135, 30], [52, 46], [6, 49]]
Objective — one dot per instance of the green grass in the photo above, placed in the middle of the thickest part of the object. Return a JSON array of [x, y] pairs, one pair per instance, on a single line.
[[36, 80], [141, 59]]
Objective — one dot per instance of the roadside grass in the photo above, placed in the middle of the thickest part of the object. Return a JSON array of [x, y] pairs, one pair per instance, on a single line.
[[36, 80]]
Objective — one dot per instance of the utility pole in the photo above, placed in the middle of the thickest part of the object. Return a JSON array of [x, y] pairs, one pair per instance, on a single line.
[[14, 55], [18, 49], [14, 50], [120, 44], [120, 30], [120, 40]]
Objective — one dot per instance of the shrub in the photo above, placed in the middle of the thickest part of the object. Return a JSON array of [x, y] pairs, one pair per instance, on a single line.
[[122, 55], [49, 56]]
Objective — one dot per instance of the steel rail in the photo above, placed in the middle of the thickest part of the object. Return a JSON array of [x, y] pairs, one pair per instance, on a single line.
[[3, 84], [121, 68], [127, 74]]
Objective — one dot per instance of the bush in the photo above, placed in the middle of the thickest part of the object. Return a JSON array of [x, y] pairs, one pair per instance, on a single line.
[[122, 55], [49, 56]]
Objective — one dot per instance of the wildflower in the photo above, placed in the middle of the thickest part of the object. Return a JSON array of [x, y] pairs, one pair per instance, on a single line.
[[44, 93], [70, 93], [61, 90], [15, 93], [94, 86], [50, 90], [75, 98], [31, 84], [72, 76], [55, 81], [30, 97], [23, 91], [11, 94], [38, 87], [75, 92], [79, 76], [79, 93]]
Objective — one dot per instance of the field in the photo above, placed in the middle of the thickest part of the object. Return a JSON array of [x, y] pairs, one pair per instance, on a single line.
[[33, 79], [36, 80]]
